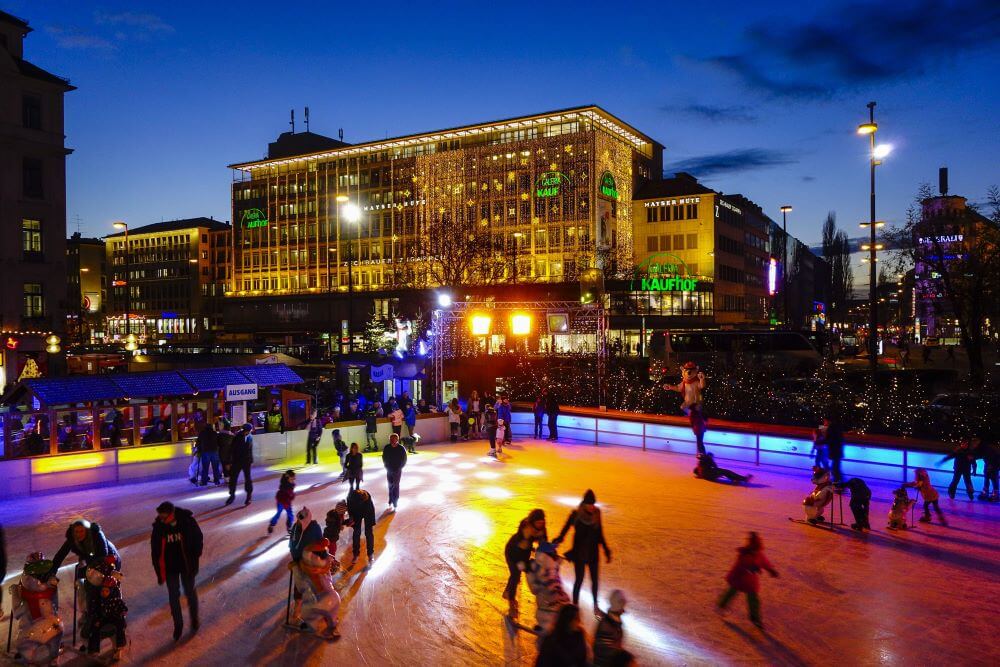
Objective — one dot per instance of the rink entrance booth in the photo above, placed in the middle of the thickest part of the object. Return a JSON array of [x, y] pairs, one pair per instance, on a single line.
[[89, 430]]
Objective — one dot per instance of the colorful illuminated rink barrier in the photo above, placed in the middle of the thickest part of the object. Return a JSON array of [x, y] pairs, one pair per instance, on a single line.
[[884, 458]]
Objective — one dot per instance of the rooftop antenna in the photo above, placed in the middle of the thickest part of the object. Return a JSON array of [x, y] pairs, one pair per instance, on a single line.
[[341, 134], [292, 122], [307, 119], [77, 219]]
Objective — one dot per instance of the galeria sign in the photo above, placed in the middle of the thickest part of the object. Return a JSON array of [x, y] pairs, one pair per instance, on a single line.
[[241, 392], [549, 184]]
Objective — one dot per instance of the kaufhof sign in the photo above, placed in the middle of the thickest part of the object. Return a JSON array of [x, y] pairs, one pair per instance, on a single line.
[[241, 392], [663, 272]]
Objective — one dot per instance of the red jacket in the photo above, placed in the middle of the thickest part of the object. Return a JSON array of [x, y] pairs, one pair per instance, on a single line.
[[285, 494], [744, 575]]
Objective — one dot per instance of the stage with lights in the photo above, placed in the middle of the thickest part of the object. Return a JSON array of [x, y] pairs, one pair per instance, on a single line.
[[433, 594]]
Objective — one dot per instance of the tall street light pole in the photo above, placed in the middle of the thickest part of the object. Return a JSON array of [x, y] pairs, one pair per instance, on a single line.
[[876, 153], [785, 210], [128, 287]]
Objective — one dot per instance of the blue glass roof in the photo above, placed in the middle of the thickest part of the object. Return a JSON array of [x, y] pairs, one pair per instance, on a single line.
[[212, 379], [269, 375], [74, 389], [155, 383]]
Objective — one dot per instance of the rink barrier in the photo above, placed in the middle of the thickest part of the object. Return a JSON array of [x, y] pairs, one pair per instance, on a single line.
[[109, 467], [867, 456]]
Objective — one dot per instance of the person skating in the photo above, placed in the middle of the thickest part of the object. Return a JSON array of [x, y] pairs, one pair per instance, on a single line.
[[708, 469], [208, 453], [821, 496], [504, 412], [313, 437], [355, 463], [861, 497], [394, 460], [609, 638], [361, 510], [410, 419], [341, 447], [88, 543], [320, 601], [744, 577], [283, 499], [834, 438], [964, 464], [454, 419], [490, 427], [501, 436], [475, 410], [225, 437], [176, 545], [305, 532], [988, 449], [109, 612], [517, 553], [691, 388], [922, 483], [546, 584], [396, 417], [588, 539], [566, 645], [901, 504], [538, 410], [371, 428], [242, 463], [336, 519], [552, 412]]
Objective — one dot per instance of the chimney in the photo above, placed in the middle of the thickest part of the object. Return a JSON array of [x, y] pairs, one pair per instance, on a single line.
[[943, 180]]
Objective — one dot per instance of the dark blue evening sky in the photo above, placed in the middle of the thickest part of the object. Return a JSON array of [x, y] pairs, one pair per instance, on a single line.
[[760, 98]]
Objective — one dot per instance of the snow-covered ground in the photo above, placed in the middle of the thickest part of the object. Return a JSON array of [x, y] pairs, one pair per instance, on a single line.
[[923, 596]]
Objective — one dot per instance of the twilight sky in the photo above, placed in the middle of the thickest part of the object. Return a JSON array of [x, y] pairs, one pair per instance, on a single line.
[[752, 97]]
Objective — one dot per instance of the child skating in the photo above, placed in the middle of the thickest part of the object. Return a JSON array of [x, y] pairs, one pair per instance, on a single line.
[[283, 499], [355, 467], [901, 504], [744, 577], [922, 483]]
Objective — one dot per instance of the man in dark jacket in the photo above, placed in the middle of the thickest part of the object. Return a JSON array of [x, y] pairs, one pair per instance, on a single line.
[[552, 410], [361, 511], [394, 459], [88, 543], [371, 428], [861, 497], [208, 452], [834, 440], [176, 545], [242, 461], [225, 437]]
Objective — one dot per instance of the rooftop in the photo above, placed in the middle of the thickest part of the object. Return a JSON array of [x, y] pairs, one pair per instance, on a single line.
[[14, 20], [678, 186], [175, 226], [590, 112]]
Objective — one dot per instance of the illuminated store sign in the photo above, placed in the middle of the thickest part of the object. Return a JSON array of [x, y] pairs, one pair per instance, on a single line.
[[607, 187], [772, 277], [665, 272], [724, 204], [253, 218], [671, 202], [550, 184], [950, 238]]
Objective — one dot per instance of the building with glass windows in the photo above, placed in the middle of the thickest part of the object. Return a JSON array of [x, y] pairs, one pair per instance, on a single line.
[[32, 207]]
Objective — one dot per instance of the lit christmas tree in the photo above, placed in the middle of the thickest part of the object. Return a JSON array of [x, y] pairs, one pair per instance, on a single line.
[[30, 370]]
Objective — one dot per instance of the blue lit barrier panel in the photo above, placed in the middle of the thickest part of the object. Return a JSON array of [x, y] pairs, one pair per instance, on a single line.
[[752, 445]]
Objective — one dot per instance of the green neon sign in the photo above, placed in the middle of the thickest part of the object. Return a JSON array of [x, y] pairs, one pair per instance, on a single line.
[[607, 186], [549, 184], [664, 272], [253, 218]]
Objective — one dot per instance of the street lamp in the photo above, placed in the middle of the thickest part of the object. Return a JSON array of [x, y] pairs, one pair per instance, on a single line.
[[121, 225], [876, 154], [785, 210]]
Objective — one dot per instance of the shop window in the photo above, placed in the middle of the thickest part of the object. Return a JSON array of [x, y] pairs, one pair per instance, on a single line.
[[75, 430]]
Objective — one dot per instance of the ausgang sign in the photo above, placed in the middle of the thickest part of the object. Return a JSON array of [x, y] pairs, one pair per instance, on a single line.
[[241, 392]]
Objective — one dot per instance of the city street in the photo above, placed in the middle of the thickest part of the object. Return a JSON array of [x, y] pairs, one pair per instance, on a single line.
[[433, 595]]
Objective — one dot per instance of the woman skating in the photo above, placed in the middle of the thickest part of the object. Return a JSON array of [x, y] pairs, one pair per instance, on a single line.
[[588, 535]]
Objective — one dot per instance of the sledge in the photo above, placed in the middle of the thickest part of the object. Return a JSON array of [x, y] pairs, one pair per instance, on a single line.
[[513, 626], [826, 525]]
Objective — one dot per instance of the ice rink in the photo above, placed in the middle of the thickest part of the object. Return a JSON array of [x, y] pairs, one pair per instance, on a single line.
[[924, 596]]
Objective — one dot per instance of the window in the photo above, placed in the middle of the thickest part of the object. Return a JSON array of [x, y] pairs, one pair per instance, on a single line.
[[678, 212], [692, 211], [665, 242], [651, 244], [31, 177], [34, 305], [692, 241], [678, 242], [665, 213], [31, 112], [31, 236], [650, 215]]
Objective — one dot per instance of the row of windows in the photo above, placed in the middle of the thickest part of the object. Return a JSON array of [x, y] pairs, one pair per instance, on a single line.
[[729, 274], [663, 303], [726, 244], [671, 242], [156, 242], [734, 303], [675, 212], [754, 241]]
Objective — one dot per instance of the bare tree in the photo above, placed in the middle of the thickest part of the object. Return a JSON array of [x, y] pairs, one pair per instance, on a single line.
[[837, 252]]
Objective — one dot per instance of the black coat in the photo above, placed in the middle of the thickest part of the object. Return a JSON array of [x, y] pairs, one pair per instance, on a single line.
[[241, 451], [95, 548], [354, 463], [208, 440], [568, 651], [394, 457], [184, 530], [360, 508], [588, 533]]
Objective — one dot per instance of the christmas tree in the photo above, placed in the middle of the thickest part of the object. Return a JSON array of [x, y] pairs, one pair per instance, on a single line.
[[30, 370]]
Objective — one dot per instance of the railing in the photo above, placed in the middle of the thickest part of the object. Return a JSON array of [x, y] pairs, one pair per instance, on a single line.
[[871, 457]]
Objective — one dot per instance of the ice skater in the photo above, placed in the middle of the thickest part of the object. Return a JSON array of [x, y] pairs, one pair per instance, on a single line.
[[922, 483], [336, 519], [242, 462], [821, 496], [504, 412], [109, 613], [394, 460], [454, 419], [88, 543], [305, 532], [321, 602], [708, 469], [313, 437], [355, 467], [176, 545], [744, 577], [517, 553], [490, 427], [501, 437], [861, 497], [964, 466], [361, 511], [341, 447], [546, 584], [691, 388], [566, 645], [283, 499], [609, 639], [538, 409], [588, 538], [901, 504]]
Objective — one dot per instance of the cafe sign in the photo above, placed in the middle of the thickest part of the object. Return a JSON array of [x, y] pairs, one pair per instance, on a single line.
[[550, 184]]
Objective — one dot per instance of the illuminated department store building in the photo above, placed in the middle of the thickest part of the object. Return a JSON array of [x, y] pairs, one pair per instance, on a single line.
[[550, 195]]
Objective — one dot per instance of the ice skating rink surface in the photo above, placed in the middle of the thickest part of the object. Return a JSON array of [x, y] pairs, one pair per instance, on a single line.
[[924, 596]]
